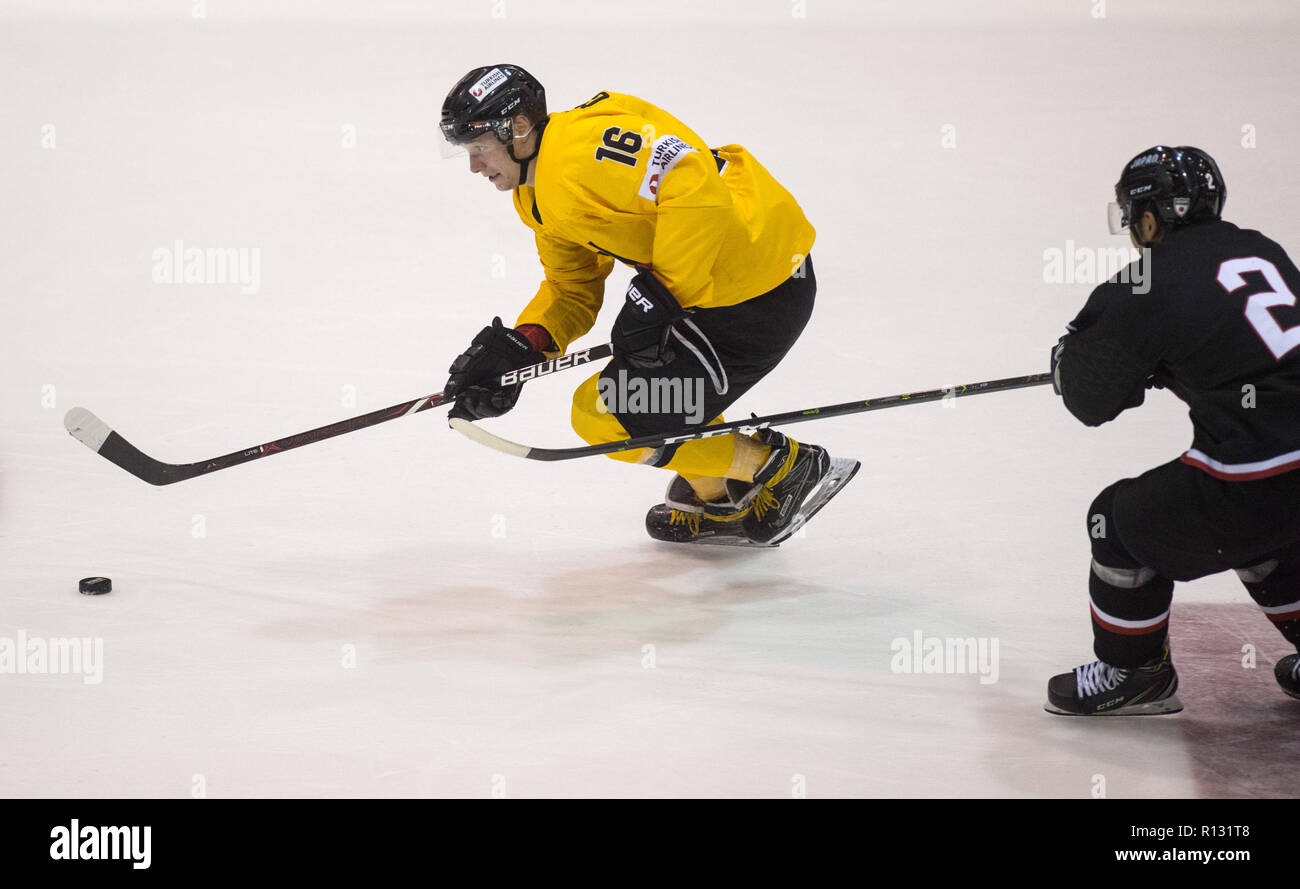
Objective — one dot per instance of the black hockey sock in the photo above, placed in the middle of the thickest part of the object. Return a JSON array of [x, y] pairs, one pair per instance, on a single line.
[[1129, 601], [1275, 586], [1130, 614]]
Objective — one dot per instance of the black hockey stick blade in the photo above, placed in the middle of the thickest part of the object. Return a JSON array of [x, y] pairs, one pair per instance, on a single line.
[[97, 435], [487, 439]]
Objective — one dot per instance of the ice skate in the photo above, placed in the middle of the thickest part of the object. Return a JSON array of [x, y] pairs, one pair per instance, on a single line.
[[1287, 674], [1098, 689], [793, 484], [684, 518]]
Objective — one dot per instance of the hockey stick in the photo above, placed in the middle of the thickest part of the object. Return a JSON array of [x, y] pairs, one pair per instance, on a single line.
[[483, 437], [95, 434]]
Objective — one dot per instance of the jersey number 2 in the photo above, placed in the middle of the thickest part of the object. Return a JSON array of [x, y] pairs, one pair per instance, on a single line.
[[1279, 341]]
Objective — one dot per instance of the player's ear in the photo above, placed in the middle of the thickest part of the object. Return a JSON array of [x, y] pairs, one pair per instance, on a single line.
[[1155, 226], [523, 126]]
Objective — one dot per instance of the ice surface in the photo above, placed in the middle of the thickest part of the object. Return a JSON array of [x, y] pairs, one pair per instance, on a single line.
[[510, 628]]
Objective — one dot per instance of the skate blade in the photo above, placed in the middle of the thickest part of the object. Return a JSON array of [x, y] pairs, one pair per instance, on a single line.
[[840, 474], [1162, 707], [718, 540], [732, 541]]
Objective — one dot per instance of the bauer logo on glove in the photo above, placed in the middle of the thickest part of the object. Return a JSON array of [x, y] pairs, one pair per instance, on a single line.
[[641, 331], [635, 298]]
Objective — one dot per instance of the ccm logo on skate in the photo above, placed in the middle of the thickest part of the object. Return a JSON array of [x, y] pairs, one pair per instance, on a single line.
[[541, 370]]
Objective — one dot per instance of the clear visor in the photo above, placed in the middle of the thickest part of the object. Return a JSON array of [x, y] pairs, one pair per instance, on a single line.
[[481, 139], [1115, 219]]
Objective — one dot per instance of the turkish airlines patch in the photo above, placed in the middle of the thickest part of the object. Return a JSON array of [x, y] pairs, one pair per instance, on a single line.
[[664, 155], [487, 83]]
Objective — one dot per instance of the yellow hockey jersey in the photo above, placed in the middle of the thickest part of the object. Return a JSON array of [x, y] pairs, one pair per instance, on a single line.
[[618, 179]]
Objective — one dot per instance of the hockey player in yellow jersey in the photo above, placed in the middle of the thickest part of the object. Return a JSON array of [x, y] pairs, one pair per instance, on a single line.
[[723, 287]]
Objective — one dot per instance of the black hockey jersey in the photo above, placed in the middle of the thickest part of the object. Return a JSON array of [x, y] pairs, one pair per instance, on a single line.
[[1219, 327]]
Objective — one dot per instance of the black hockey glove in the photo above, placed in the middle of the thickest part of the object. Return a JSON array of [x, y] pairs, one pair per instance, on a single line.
[[1057, 351], [1090, 388], [474, 374], [642, 329]]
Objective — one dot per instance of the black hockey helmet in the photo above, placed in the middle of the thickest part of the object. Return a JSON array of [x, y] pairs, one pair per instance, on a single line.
[[487, 100], [1180, 185]]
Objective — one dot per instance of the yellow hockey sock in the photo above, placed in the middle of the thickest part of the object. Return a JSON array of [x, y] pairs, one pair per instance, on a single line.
[[707, 487], [725, 456]]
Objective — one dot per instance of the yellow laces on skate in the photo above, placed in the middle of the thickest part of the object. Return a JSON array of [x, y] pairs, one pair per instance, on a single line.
[[689, 519], [763, 501], [692, 520]]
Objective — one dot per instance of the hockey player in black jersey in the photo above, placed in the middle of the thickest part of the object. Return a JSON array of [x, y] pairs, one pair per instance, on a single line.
[[1220, 329]]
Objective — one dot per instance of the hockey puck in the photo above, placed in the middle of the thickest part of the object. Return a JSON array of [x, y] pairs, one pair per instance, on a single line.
[[95, 586]]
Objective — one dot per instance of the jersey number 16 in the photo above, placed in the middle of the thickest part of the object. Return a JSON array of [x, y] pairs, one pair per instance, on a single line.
[[619, 145]]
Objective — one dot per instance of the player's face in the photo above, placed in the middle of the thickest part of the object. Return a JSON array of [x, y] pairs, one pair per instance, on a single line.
[[489, 158]]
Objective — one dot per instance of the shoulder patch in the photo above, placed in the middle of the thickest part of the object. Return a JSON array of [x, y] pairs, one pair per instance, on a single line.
[[664, 155]]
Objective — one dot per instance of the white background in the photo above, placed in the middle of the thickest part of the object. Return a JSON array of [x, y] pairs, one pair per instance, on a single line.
[[500, 611]]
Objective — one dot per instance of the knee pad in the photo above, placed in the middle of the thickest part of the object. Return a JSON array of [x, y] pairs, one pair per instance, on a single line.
[[1275, 586], [1257, 573], [1123, 578]]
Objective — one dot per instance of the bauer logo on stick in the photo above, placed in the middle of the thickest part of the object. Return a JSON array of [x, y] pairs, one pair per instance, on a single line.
[[510, 377]]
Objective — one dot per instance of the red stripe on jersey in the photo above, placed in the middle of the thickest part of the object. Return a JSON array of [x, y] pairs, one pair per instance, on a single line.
[[1240, 476], [1127, 631]]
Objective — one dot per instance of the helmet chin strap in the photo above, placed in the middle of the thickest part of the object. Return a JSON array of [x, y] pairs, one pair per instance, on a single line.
[[524, 162]]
